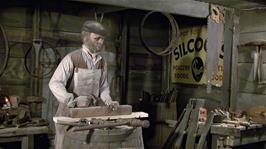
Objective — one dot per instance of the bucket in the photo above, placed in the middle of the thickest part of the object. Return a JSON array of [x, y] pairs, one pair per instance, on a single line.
[[118, 137]]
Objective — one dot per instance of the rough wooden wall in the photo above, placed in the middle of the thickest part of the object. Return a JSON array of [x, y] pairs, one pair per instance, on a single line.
[[145, 69], [15, 80], [252, 28]]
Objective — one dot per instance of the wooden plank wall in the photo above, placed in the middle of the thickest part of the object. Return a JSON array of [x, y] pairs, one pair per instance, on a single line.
[[250, 92], [145, 69], [15, 80]]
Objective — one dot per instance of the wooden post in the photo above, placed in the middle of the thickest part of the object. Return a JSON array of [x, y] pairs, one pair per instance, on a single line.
[[124, 63]]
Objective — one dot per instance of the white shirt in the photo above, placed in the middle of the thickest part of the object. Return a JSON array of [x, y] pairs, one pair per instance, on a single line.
[[65, 69]]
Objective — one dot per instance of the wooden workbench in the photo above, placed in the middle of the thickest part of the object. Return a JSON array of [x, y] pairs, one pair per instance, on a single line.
[[229, 137], [132, 115], [25, 135]]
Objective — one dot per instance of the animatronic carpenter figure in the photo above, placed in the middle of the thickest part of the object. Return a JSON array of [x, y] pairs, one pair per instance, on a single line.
[[80, 79]]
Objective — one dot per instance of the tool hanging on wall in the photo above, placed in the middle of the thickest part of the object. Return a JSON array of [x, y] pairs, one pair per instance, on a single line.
[[96, 16], [214, 42], [42, 59], [4, 45], [174, 37], [258, 60], [38, 49]]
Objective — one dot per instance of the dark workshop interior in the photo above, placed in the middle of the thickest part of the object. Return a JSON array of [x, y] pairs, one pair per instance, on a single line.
[[133, 74]]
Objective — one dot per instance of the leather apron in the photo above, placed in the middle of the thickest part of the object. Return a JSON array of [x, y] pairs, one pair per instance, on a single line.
[[84, 82]]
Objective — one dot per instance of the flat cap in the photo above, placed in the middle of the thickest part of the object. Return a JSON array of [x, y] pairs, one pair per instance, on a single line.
[[93, 27]]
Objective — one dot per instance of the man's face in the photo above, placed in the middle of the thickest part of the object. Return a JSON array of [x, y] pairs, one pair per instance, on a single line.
[[94, 42]]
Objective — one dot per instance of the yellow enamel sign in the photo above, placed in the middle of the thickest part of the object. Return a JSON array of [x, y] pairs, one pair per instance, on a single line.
[[189, 58]]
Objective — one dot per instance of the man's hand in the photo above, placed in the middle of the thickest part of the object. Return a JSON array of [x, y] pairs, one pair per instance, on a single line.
[[80, 101], [113, 105], [70, 102], [83, 101]]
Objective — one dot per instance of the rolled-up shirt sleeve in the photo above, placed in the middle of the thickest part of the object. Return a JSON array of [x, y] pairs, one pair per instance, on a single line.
[[104, 88], [59, 80]]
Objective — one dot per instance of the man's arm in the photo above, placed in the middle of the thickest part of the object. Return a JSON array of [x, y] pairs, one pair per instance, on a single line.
[[104, 88], [59, 80]]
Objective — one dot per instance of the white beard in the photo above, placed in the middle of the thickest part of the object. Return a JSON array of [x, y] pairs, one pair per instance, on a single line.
[[93, 49]]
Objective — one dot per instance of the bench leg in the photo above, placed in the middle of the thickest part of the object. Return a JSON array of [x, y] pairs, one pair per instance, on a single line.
[[27, 142]]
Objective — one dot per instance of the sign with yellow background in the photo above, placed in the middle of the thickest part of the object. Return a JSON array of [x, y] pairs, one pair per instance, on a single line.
[[189, 58]]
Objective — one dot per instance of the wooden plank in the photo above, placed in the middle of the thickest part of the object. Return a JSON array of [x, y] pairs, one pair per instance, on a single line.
[[16, 16], [145, 75], [228, 52], [231, 102], [246, 54], [217, 129], [15, 73], [245, 140], [21, 90], [247, 21], [25, 142], [200, 92], [240, 135], [247, 37], [239, 4], [251, 87], [181, 7], [25, 36], [152, 30], [250, 31], [100, 111], [10, 139], [54, 21], [13, 131], [139, 49], [132, 115], [246, 80]]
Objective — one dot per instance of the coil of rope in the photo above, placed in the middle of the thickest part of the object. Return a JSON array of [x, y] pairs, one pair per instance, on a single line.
[[174, 35], [47, 74], [2, 30]]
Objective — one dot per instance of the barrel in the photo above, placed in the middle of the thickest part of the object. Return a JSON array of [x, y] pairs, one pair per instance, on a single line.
[[118, 137]]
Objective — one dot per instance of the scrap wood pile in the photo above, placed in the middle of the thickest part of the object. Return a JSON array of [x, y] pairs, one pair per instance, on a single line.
[[195, 119], [15, 112], [248, 118]]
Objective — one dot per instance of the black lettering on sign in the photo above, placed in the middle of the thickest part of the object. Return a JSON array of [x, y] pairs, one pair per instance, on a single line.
[[192, 45], [188, 45], [181, 75], [180, 49], [197, 68], [198, 44], [185, 52], [176, 53], [205, 45]]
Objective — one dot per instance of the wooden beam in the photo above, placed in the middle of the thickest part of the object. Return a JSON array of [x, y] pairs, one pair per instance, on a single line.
[[14, 131], [181, 7], [228, 48], [240, 4], [234, 67]]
